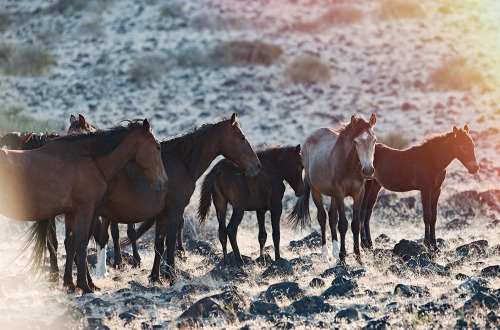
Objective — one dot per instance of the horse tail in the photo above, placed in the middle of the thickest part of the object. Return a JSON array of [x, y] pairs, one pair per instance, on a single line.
[[206, 194], [143, 228], [300, 214], [37, 236]]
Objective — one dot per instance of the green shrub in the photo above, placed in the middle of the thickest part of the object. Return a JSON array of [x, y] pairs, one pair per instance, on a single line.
[[307, 70], [244, 53], [395, 139], [456, 74], [148, 68], [19, 60], [396, 9], [13, 120]]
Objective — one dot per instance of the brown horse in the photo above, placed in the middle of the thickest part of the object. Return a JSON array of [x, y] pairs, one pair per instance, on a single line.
[[421, 167], [261, 193], [185, 159], [77, 170], [336, 164]]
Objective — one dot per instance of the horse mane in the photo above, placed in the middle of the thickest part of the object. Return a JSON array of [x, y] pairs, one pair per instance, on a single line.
[[39, 140], [349, 129], [272, 150], [188, 146], [104, 141]]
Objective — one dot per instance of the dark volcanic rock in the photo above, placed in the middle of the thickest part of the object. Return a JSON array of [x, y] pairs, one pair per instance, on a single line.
[[456, 224], [379, 324], [95, 324], [477, 248], [195, 289], [410, 290], [473, 286], [280, 267], [348, 315], [338, 270], [491, 271], [200, 248], [422, 266], [345, 290], [311, 241], [289, 290], [317, 283], [311, 305], [482, 300], [231, 300], [263, 308], [204, 311], [382, 238], [407, 249], [432, 308]]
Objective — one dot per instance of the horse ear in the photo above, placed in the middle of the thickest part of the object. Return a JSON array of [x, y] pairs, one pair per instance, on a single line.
[[297, 148], [234, 118], [353, 119], [72, 119], [455, 130], [26, 138], [373, 120], [466, 128], [146, 125], [81, 120]]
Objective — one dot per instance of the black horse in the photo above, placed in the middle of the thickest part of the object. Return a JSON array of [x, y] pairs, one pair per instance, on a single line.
[[261, 193], [421, 167]]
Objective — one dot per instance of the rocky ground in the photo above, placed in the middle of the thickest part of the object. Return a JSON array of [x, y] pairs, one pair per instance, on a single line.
[[174, 63]]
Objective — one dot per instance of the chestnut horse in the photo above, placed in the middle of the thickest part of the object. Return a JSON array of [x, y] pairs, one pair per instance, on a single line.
[[336, 163], [77, 170], [421, 167], [262, 193]]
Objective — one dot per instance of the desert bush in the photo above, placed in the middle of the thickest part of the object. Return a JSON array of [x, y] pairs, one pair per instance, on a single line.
[[396, 9], [456, 74], [12, 119], [20, 60], [336, 15], [308, 69], [188, 57], [148, 68], [5, 21], [92, 26], [72, 6], [394, 139], [172, 9], [244, 53]]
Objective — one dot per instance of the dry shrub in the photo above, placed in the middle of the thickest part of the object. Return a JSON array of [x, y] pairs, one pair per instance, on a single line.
[[395, 139], [396, 9], [307, 70], [172, 9], [72, 6], [457, 74], [19, 60], [336, 15], [12, 119], [244, 53], [148, 68]]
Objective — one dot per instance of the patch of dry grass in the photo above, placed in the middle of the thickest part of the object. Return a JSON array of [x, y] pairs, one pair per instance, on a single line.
[[307, 70], [457, 74], [401, 9], [395, 139], [21, 60], [335, 16], [239, 52], [148, 68]]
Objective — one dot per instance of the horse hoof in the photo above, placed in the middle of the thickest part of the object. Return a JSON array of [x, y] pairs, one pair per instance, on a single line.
[[54, 277], [154, 280], [70, 287]]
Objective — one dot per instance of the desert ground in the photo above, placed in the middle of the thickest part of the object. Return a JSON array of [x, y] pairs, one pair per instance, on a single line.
[[287, 67]]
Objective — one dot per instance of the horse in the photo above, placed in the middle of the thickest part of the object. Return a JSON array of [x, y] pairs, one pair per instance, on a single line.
[[336, 163], [261, 193], [185, 158], [77, 170], [29, 141], [421, 167]]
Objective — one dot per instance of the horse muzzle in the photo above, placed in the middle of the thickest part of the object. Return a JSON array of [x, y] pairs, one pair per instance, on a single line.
[[368, 173], [253, 170], [473, 167], [159, 184]]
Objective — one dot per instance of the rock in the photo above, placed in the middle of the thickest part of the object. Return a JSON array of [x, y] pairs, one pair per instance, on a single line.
[[195, 289], [338, 270], [422, 266], [289, 290], [316, 283], [477, 248], [407, 249], [204, 311], [347, 315], [341, 279], [311, 241], [410, 291], [343, 290], [280, 267], [263, 308], [432, 308], [382, 238], [95, 324], [379, 324], [473, 286], [127, 316], [491, 271], [311, 305], [456, 224], [231, 300], [482, 300], [200, 248]]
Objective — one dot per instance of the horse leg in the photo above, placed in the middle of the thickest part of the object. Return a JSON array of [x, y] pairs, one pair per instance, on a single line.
[[101, 270], [52, 245], [261, 216], [232, 231], [318, 201], [160, 232], [69, 245], [115, 235], [181, 252], [355, 224], [333, 220], [372, 188], [343, 225], [174, 218], [275, 223], [434, 203], [83, 221], [132, 236], [426, 206]]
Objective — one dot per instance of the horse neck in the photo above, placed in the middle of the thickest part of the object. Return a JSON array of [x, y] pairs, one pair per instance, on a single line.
[[440, 151], [210, 148], [114, 161], [280, 166], [350, 161]]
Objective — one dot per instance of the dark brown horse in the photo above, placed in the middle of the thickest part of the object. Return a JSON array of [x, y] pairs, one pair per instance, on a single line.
[[77, 171], [261, 193], [422, 167], [336, 164]]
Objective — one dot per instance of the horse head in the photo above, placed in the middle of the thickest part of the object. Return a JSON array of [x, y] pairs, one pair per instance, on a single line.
[[80, 125], [464, 149], [295, 180], [236, 148], [365, 146]]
